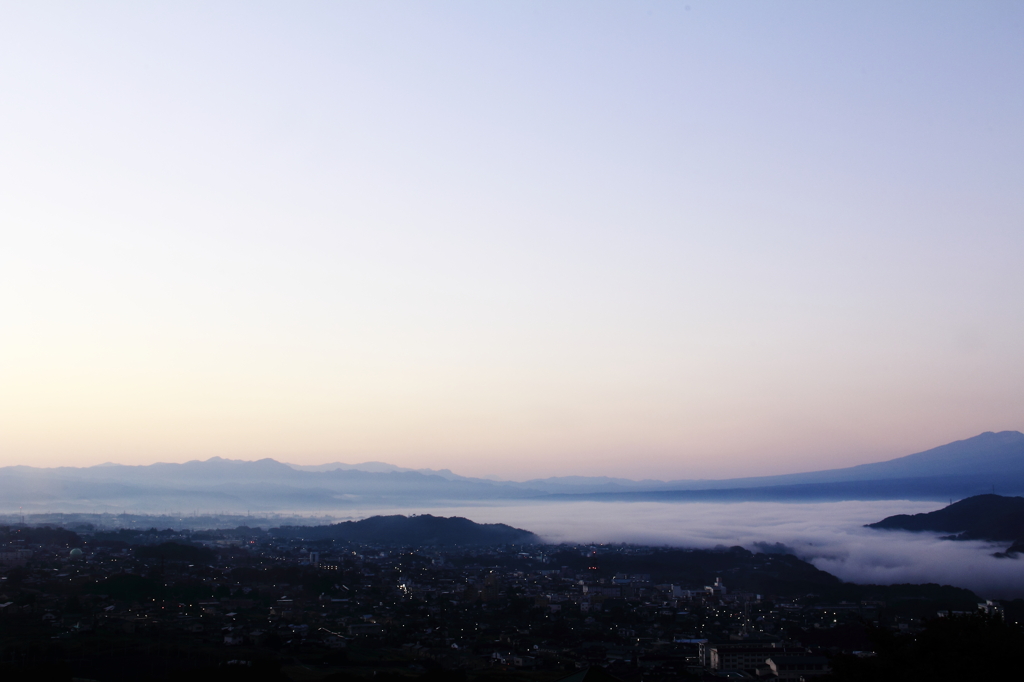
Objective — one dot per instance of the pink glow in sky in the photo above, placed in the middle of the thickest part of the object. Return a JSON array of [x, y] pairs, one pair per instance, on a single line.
[[638, 239]]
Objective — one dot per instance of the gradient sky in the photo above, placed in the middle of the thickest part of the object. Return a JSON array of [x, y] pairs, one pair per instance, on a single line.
[[644, 239]]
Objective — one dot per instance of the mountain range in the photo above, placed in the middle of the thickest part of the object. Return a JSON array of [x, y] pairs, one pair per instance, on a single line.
[[956, 470]]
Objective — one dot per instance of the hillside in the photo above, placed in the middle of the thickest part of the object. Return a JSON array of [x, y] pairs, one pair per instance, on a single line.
[[421, 530], [982, 517]]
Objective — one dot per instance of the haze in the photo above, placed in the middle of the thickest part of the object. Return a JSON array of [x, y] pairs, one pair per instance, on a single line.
[[524, 239]]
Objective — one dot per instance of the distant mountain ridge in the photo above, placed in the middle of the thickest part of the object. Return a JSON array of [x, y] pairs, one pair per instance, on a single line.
[[986, 454], [960, 469], [235, 485], [378, 468], [995, 452]]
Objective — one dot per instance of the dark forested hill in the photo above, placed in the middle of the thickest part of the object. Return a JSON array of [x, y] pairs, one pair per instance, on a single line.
[[982, 517], [422, 530]]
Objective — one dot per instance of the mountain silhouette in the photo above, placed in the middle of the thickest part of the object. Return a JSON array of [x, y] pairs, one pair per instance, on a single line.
[[420, 530], [982, 517], [961, 469]]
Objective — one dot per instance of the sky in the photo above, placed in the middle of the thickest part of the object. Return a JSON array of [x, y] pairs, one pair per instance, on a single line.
[[522, 239]]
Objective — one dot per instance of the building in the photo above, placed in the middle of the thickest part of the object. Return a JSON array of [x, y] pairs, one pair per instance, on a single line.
[[716, 590], [745, 655], [15, 557], [788, 667]]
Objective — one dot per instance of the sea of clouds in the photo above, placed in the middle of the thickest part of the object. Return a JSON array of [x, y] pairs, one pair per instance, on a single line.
[[831, 535]]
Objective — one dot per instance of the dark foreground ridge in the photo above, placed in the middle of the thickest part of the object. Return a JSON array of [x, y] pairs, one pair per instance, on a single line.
[[249, 604], [423, 530], [982, 517]]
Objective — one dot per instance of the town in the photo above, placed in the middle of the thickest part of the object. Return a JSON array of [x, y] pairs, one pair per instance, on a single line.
[[251, 604]]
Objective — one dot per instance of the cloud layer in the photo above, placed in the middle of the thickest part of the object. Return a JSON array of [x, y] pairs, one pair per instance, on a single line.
[[829, 535]]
